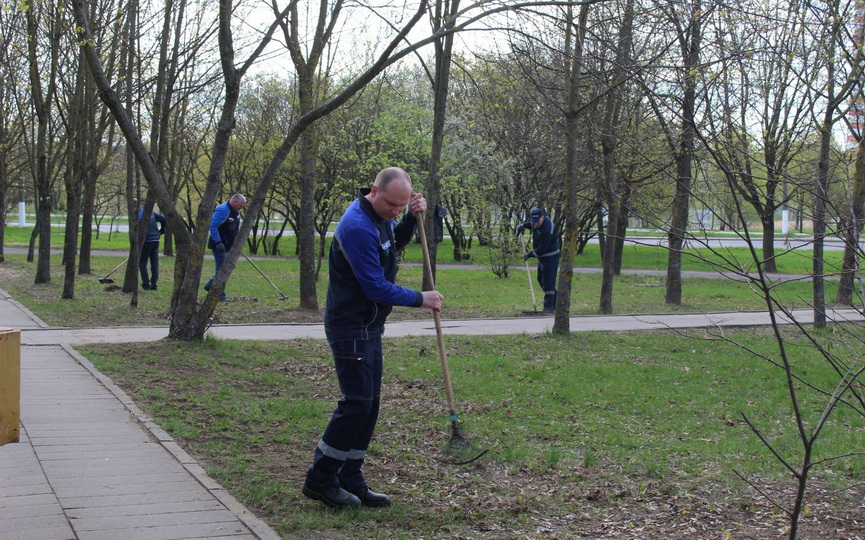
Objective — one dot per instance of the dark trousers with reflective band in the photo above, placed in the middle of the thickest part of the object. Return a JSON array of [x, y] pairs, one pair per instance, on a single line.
[[340, 453], [149, 253], [548, 269]]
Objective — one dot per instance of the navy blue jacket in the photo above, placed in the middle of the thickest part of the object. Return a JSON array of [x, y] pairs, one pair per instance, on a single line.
[[223, 226], [362, 269], [545, 239], [154, 230]]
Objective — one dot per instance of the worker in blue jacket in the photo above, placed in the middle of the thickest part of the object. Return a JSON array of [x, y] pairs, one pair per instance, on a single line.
[[150, 248], [360, 295], [545, 246], [224, 226]]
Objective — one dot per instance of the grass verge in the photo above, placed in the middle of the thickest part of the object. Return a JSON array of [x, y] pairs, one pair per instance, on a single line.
[[469, 293], [631, 435]]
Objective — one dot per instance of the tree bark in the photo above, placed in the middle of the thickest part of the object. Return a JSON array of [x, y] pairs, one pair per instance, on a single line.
[[609, 143], [690, 46], [853, 231], [575, 34]]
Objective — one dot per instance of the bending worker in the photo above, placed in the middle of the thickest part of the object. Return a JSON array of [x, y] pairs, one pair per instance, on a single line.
[[223, 229], [545, 244], [360, 295]]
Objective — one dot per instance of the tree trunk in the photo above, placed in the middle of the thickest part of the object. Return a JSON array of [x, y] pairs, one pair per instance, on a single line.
[[76, 128], [42, 102], [690, 46], [4, 189], [574, 38], [854, 229], [609, 142], [768, 222], [442, 11], [622, 229], [306, 232], [84, 266], [822, 182]]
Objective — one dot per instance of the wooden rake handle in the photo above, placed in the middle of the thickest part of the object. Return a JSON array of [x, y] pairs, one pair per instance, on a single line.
[[529, 273], [427, 265]]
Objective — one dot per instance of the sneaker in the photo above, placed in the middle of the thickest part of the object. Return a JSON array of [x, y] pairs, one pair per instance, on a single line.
[[333, 496], [153, 287]]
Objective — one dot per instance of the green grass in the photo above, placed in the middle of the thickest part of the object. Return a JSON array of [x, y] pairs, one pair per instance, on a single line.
[[634, 256], [584, 431], [469, 293], [576, 426]]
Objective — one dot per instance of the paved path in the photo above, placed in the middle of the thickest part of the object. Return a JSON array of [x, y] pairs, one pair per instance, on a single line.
[[90, 465]]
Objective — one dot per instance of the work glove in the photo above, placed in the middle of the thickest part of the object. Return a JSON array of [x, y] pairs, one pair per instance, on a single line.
[[220, 247], [520, 229], [526, 256]]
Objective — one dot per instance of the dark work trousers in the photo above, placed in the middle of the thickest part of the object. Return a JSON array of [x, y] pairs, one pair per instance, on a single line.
[[149, 252], [340, 453], [548, 268], [218, 259]]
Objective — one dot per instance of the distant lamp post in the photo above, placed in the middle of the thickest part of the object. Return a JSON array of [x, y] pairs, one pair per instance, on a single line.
[[22, 217], [785, 213]]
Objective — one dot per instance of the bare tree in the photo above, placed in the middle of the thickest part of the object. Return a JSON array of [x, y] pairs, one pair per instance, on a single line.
[[443, 17], [609, 143], [575, 37], [688, 19], [190, 320], [10, 128], [45, 16], [831, 35], [853, 56]]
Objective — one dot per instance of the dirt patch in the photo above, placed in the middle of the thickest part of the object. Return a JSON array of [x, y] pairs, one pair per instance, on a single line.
[[8, 274]]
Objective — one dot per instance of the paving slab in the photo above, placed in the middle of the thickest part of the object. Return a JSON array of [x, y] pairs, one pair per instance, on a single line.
[[89, 465]]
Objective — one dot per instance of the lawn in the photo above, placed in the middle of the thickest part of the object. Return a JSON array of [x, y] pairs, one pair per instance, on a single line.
[[628, 435], [599, 435], [647, 257], [470, 292]]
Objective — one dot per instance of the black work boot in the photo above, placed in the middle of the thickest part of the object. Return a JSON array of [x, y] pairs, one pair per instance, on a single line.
[[549, 302], [370, 498], [333, 496]]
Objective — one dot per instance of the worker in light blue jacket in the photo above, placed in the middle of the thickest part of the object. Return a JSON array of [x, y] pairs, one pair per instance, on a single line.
[[223, 230]]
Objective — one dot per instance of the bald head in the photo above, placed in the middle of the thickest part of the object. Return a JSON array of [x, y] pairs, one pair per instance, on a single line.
[[384, 178], [390, 193]]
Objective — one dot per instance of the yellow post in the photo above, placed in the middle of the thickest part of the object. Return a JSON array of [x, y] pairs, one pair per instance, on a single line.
[[10, 384]]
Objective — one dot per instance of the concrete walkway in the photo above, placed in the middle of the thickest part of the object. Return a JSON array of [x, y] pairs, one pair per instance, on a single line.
[[90, 465]]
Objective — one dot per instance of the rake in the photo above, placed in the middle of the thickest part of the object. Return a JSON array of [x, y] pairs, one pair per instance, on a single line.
[[531, 285], [458, 442], [281, 296], [107, 279]]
